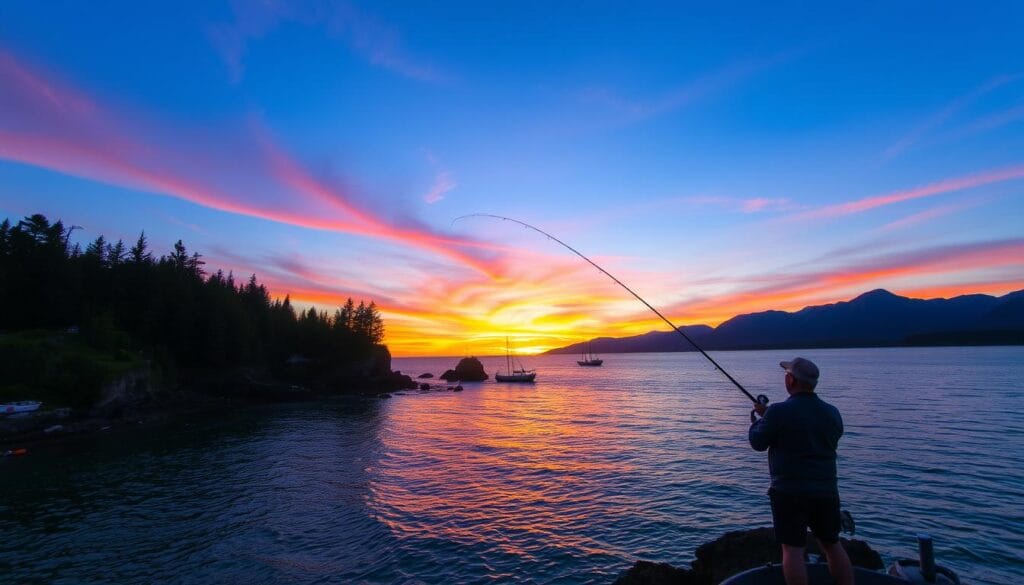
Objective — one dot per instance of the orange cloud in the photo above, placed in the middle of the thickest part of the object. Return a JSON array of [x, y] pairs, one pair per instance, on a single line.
[[790, 292], [569, 302], [997, 288]]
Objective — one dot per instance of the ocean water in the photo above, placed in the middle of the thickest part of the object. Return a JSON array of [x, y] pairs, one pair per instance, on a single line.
[[569, 480]]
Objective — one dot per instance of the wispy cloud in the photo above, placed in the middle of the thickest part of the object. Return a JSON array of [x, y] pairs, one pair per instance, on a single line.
[[927, 215], [747, 205], [761, 204], [629, 110], [52, 125], [366, 35], [994, 121], [937, 188], [943, 115], [443, 183]]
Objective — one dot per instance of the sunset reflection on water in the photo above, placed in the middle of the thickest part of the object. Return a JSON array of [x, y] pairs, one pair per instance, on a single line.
[[647, 457], [569, 480], [512, 465], [553, 465]]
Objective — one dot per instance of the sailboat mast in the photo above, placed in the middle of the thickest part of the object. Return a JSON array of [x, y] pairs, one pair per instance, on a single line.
[[508, 357]]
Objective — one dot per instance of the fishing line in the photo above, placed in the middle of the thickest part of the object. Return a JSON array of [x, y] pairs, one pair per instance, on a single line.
[[620, 283]]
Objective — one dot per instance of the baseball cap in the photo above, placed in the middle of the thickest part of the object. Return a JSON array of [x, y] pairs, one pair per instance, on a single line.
[[802, 369]]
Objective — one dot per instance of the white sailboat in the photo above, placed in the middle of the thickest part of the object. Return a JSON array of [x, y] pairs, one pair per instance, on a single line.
[[22, 406], [514, 375]]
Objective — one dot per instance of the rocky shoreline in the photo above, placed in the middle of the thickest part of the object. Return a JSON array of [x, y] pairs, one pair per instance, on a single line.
[[733, 553], [143, 396]]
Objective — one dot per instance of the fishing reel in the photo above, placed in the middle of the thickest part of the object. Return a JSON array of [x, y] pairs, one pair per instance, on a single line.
[[761, 399]]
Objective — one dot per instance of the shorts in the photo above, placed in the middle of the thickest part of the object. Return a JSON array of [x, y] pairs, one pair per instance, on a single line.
[[793, 514]]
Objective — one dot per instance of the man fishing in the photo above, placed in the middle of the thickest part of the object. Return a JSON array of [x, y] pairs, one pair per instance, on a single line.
[[801, 435]]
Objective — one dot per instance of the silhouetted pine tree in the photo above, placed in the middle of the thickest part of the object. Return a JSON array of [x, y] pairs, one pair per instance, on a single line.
[[139, 253], [168, 308]]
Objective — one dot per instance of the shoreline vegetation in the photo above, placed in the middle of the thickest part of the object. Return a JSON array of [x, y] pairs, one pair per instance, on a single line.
[[112, 332]]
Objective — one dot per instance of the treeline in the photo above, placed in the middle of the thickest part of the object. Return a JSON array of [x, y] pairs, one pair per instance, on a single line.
[[121, 297]]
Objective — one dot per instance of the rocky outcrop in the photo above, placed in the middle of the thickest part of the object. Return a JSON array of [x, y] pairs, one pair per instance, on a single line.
[[129, 392], [426, 375], [648, 573], [732, 553], [468, 370], [370, 372]]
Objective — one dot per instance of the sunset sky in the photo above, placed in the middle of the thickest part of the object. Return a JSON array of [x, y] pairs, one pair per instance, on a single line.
[[718, 160]]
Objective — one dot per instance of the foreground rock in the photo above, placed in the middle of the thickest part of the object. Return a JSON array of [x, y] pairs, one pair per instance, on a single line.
[[468, 370], [733, 553]]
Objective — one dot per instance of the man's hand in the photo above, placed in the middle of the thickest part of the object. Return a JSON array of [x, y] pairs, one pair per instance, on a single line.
[[760, 408]]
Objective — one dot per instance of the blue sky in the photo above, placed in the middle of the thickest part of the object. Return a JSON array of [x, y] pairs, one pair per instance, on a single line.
[[724, 158]]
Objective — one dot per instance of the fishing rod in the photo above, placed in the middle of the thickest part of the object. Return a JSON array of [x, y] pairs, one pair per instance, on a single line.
[[761, 399]]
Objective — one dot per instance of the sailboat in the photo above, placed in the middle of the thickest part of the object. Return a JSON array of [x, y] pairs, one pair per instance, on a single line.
[[589, 359], [513, 375]]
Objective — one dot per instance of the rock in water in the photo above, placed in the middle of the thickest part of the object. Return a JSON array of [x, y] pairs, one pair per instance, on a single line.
[[735, 552], [732, 553], [426, 375], [469, 370], [648, 573]]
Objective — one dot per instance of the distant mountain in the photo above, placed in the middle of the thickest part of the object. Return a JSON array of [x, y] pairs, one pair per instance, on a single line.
[[876, 318]]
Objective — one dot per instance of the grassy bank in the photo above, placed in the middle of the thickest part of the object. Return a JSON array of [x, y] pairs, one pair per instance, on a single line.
[[58, 368]]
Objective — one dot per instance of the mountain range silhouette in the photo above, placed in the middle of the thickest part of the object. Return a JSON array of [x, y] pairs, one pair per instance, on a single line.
[[877, 318]]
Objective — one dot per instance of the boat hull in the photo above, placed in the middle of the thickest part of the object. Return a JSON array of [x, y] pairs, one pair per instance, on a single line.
[[590, 362], [16, 407], [529, 377]]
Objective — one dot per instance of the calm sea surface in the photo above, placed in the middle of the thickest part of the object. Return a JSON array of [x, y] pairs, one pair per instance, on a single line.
[[568, 480]]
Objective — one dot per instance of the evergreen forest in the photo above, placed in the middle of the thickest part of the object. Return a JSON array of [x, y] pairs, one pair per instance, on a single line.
[[72, 318]]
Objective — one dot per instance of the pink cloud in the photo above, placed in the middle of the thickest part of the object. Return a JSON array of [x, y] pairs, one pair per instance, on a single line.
[[734, 204], [443, 183], [940, 187], [50, 125], [35, 89], [925, 216], [759, 204]]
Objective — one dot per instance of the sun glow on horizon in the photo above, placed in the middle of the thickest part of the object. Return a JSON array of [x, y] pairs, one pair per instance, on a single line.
[[714, 187]]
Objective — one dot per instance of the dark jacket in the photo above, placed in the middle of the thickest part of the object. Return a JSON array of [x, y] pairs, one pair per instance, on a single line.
[[801, 436]]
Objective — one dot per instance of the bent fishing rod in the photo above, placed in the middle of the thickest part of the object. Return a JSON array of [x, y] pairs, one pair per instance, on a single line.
[[761, 399]]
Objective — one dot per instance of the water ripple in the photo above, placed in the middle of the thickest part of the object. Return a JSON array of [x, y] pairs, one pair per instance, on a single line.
[[566, 481]]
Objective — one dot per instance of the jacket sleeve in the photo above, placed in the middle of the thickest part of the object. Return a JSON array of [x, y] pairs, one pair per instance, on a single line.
[[763, 432], [839, 426]]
